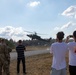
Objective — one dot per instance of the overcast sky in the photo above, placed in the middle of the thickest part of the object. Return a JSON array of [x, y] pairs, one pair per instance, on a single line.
[[41, 16]]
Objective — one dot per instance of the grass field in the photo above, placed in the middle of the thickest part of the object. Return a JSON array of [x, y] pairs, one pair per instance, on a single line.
[[31, 48], [35, 65], [36, 47]]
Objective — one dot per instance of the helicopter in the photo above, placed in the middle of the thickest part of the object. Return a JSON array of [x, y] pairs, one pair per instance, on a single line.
[[35, 36]]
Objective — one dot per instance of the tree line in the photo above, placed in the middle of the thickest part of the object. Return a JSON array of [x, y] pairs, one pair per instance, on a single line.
[[13, 44]]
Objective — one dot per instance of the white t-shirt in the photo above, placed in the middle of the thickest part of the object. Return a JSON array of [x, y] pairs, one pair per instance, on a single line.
[[59, 51], [72, 54]]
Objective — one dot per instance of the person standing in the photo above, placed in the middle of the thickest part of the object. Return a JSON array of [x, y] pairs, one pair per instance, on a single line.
[[59, 50], [20, 56], [7, 58], [72, 54], [3, 56]]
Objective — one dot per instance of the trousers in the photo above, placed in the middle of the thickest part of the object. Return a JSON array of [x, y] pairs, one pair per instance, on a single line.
[[72, 70], [23, 64]]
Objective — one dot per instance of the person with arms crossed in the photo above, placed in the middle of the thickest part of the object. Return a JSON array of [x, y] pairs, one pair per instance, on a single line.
[[59, 50], [72, 53], [20, 53]]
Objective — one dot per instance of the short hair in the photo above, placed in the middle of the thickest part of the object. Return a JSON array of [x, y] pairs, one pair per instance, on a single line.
[[20, 41], [60, 35], [74, 34], [3, 40]]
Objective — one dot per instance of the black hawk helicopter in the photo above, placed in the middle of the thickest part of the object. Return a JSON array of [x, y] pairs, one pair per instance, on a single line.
[[35, 36]]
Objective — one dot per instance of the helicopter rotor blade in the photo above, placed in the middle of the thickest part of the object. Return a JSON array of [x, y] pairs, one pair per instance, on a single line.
[[28, 31], [42, 34], [34, 32]]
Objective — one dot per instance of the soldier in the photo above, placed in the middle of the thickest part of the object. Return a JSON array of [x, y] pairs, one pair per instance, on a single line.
[[9, 50], [3, 55], [7, 65]]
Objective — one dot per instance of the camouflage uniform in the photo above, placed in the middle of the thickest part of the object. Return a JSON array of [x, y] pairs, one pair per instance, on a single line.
[[3, 55], [9, 50], [7, 65], [7, 58]]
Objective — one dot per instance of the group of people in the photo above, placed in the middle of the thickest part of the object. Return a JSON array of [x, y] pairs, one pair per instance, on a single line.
[[5, 57], [59, 49]]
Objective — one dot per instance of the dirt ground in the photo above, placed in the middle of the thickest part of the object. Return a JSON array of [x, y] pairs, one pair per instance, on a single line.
[[35, 65]]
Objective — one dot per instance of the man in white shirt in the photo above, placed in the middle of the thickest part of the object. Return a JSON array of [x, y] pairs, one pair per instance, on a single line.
[[59, 50], [72, 54]]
